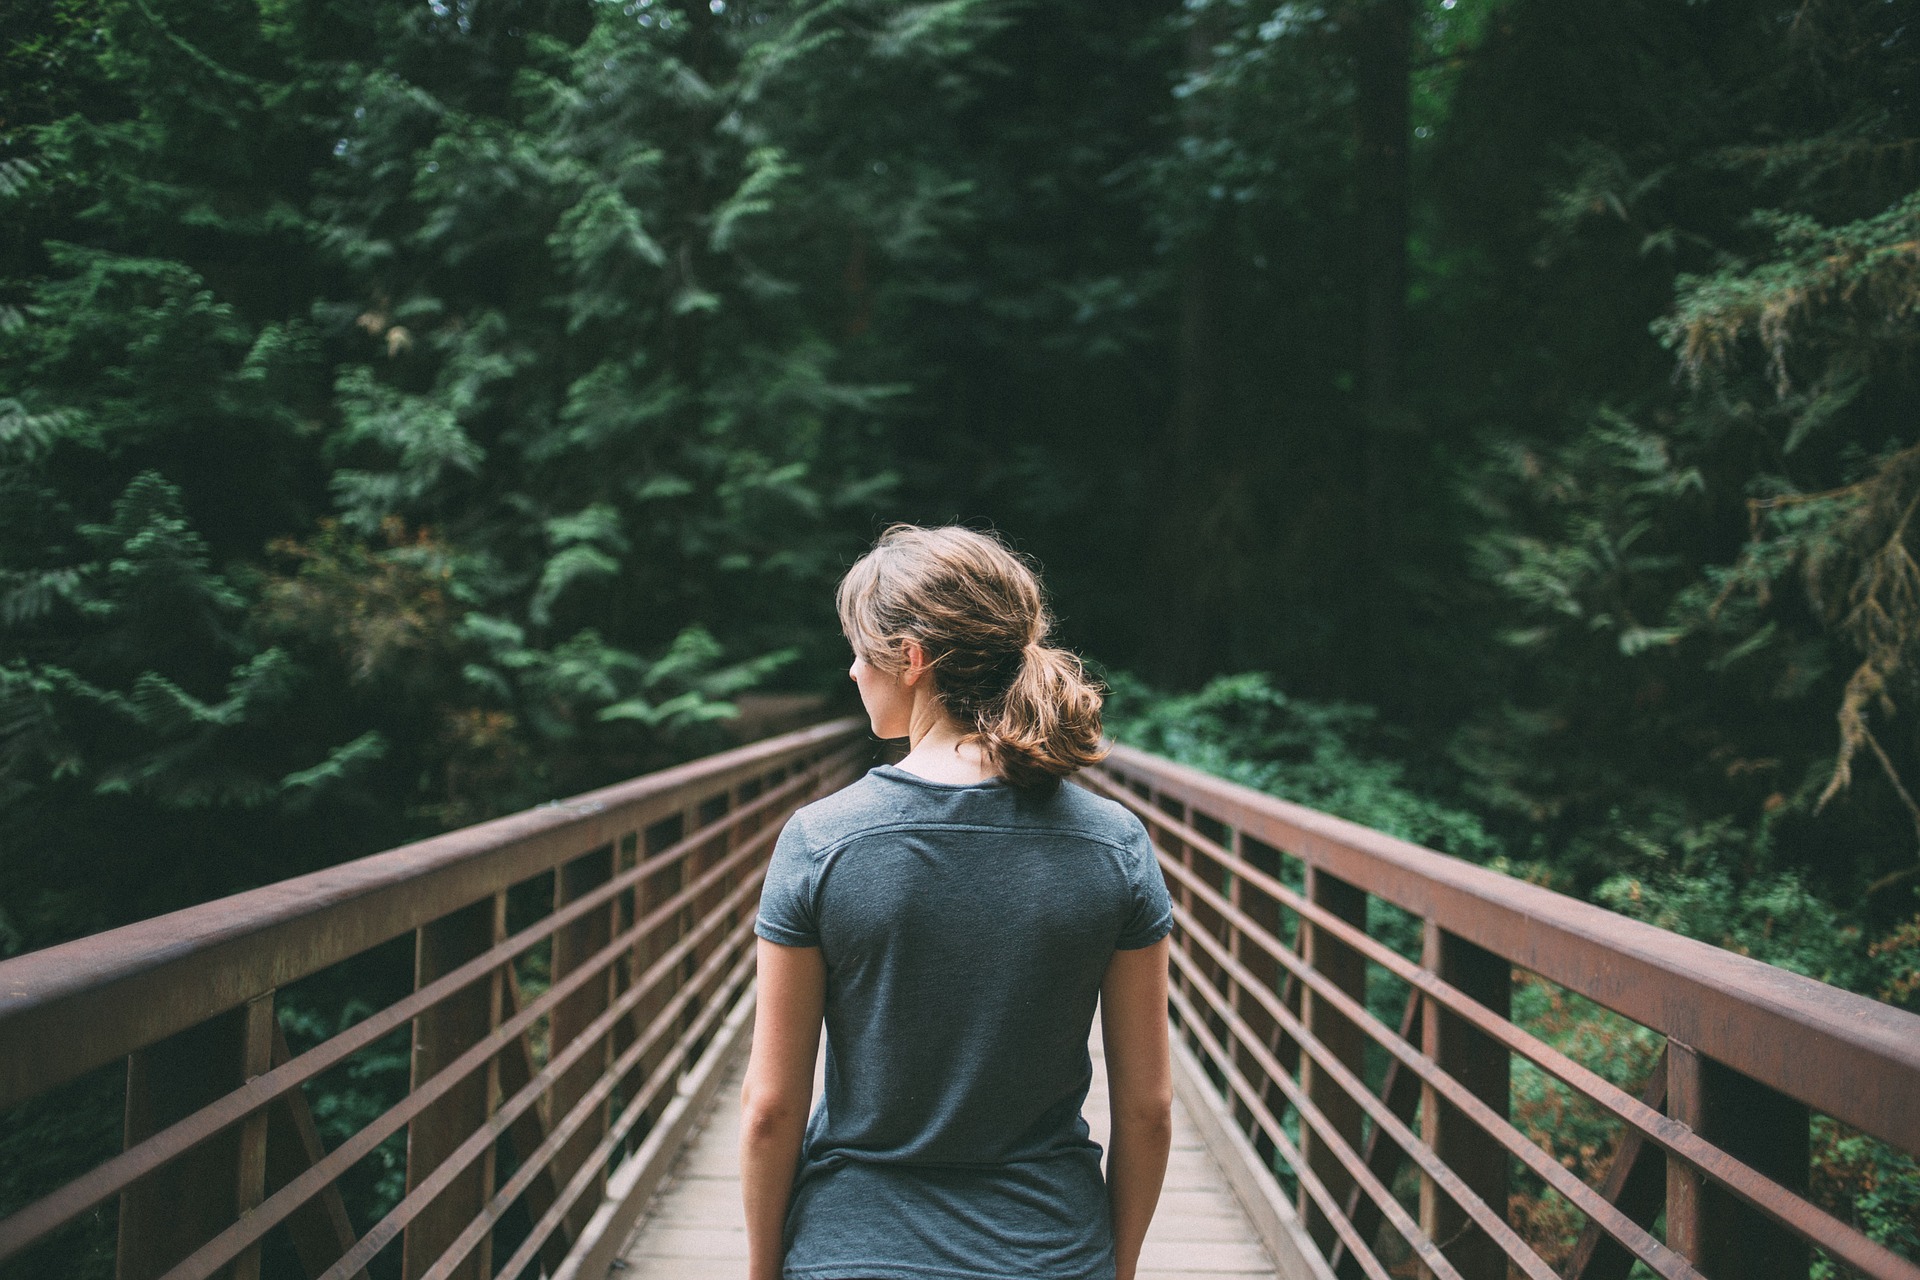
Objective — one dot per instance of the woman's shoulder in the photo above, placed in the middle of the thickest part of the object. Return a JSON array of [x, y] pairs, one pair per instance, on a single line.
[[861, 805], [884, 798], [1100, 817]]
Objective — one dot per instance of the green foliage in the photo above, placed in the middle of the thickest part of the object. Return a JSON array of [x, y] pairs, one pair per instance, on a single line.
[[1336, 757], [131, 687], [1865, 1182], [1688, 558], [1836, 298], [420, 414]]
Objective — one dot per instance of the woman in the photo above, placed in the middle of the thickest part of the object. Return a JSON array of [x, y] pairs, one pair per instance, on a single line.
[[953, 919]]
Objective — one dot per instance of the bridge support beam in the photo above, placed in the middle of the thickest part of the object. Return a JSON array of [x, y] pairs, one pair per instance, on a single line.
[[440, 1035], [173, 1211], [1346, 968], [1720, 1235], [575, 945], [1264, 911], [1484, 1066]]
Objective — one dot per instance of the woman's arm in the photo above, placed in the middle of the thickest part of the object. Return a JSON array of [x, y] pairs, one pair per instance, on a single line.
[[778, 1093], [1133, 1022]]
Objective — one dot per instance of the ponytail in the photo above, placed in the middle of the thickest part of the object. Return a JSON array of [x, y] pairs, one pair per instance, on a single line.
[[1048, 723]]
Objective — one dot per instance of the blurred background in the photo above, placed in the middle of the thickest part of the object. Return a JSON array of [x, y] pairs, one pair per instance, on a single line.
[[1490, 420]]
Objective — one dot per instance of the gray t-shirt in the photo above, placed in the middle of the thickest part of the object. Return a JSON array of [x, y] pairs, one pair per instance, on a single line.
[[966, 929]]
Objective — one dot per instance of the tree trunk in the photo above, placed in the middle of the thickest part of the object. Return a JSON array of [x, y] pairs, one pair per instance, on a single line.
[[1189, 562], [1382, 37]]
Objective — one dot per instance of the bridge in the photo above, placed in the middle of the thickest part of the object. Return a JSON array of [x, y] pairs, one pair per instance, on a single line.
[[574, 985]]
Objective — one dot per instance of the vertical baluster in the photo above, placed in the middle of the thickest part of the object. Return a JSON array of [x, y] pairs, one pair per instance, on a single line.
[[177, 1208], [440, 1035], [1264, 910], [250, 1183], [1346, 969], [1726, 1239], [626, 856], [694, 863], [655, 889], [1215, 877], [1175, 849], [1483, 1065], [712, 850], [722, 844], [1238, 999], [575, 945]]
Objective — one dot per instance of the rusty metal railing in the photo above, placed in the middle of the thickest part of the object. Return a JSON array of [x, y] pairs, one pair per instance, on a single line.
[[1408, 1168], [552, 1111]]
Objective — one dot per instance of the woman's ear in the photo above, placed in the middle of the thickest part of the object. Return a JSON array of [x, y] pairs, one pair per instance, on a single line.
[[916, 662]]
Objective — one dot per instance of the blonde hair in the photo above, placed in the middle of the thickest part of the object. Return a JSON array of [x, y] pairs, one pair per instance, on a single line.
[[976, 608]]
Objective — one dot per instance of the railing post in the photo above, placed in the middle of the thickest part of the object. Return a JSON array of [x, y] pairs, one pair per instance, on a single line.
[[250, 1181], [1346, 968], [1171, 846], [441, 1034], [699, 860], [626, 969], [1483, 1065], [180, 1206], [654, 889], [1215, 876], [714, 850], [1767, 1130], [1250, 956], [573, 946], [1264, 910]]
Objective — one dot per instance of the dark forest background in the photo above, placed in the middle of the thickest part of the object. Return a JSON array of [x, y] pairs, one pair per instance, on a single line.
[[1492, 420]]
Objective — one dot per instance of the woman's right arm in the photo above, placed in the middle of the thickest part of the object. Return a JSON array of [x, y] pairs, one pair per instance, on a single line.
[[1133, 1024], [778, 1093]]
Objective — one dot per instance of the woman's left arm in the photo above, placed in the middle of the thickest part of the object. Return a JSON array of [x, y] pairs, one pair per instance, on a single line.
[[778, 1093]]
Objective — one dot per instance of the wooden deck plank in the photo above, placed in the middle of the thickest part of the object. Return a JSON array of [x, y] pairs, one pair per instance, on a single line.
[[693, 1230]]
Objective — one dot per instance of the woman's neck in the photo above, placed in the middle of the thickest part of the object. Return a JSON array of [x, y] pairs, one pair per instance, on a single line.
[[937, 749]]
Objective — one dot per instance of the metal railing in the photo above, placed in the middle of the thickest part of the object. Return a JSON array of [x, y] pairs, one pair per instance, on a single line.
[[579, 972], [554, 1110], [1271, 977]]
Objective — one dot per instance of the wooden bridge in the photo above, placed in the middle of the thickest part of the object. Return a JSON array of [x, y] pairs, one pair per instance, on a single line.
[[575, 984]]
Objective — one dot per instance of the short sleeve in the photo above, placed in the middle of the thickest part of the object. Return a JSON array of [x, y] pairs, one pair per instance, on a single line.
[[1150, 913], [786, 897]]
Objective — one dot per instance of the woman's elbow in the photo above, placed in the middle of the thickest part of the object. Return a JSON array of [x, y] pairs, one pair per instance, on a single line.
[[770, 1115], [1148, 1112]]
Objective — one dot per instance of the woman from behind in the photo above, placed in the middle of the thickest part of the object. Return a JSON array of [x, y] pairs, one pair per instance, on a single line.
[[953, 921]]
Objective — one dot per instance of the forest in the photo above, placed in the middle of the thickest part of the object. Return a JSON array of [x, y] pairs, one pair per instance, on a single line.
[[1493, 421]]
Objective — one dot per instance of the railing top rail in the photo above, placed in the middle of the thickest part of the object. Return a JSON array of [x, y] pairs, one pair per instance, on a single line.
[[1851, 1057], [147, 980]]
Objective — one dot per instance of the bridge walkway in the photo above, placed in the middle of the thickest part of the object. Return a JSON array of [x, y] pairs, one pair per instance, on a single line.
[[693, 1229]]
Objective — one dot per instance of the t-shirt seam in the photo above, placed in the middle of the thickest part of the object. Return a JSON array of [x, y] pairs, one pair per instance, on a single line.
[[1153, 933], [775, 932]]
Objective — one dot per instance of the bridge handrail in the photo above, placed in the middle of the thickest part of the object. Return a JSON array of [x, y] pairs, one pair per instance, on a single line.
[[1269, 990], [69, 1008], [1751, 1016], [649, 955]]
